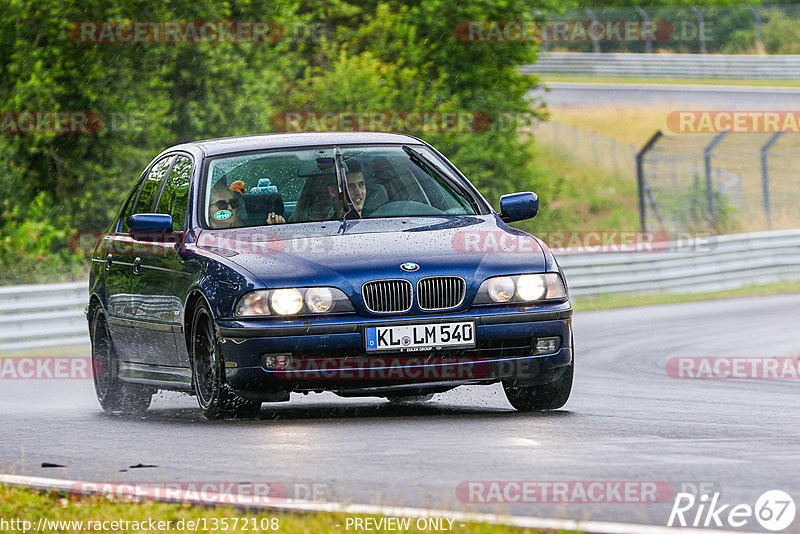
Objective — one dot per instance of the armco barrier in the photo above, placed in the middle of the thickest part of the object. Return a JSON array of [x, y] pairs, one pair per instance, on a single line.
[[732, 66], [36, 316]]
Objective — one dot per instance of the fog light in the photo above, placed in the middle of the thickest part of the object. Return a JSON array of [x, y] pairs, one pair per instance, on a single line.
[[275, 362], [547, 345]]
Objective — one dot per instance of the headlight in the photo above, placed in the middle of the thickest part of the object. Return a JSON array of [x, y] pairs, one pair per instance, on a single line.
[[286, 301], [521, 288], [501, 289], [531, 287], [254, 303], [319, 299], [293, 301]]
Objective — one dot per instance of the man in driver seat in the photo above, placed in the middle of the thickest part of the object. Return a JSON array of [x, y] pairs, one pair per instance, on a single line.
[[320, 201], [355, 185]]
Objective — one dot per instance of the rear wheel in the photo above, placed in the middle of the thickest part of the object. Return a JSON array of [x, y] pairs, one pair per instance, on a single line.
[[550, 396], [214, 395], [410, 399], [115, 396]]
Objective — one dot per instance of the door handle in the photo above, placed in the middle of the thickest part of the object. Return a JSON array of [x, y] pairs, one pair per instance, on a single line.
[[109, 261], [137, 263]]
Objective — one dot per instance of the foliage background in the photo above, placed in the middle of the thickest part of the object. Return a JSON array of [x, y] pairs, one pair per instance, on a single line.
[[373, 55]]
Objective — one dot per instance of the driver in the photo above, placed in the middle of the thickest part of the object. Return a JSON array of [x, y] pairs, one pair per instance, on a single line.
[[355, 185], [320, 200]]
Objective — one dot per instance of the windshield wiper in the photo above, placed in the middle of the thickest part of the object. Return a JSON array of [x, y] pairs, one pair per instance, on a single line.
[[341, 179]]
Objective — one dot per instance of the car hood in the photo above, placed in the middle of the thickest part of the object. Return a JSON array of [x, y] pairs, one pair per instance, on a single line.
[[347, 253]]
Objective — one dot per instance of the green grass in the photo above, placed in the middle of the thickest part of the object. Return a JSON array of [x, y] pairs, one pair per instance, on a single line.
[[609, 301], [28, 505], [585, 198], [679, 81]]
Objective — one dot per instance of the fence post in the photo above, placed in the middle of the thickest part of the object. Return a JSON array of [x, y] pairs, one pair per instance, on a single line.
[[765, 175], [709, 183], [648, 39], [640, 179], [759, 34], [701, 28], [595, 42]]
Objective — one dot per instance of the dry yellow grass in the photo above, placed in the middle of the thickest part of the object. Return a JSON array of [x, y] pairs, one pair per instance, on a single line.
[[631, 124]]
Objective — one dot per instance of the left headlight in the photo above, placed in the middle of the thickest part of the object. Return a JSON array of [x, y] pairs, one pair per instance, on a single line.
[[293, 301], [521, 288]]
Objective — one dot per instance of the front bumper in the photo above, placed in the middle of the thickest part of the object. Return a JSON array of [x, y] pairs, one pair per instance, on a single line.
[[327, 353]]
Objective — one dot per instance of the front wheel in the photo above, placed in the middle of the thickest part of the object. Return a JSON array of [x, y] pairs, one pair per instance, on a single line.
[[214, 395], [115, 396], [550, 396]]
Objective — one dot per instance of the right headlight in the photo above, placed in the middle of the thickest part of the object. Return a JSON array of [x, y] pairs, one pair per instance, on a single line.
[[293, 301], [521, 288]]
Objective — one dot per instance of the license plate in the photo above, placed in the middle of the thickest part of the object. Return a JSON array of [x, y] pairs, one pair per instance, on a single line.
[[412, 338]]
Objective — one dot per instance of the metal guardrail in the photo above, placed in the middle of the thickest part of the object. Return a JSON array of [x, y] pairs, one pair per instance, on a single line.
[[36, 316], [732, 66], [723, 262]]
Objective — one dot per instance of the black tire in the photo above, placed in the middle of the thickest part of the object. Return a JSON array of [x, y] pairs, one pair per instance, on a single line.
[[214, 395], [115, 396], [410, 399], [550, 396]]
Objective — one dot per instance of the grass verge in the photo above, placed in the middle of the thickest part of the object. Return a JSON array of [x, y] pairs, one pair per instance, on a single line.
[[584, 198], [84, 513], [610, 301]]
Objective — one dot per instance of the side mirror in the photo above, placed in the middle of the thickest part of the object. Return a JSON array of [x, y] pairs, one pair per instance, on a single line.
[[150, 223], [519, 206]]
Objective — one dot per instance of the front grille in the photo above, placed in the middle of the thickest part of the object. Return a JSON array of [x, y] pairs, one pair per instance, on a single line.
[[387, 296], [440, 292]]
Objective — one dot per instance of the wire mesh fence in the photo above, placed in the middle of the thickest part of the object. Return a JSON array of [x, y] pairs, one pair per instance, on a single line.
[[588, 147], [720, 183]]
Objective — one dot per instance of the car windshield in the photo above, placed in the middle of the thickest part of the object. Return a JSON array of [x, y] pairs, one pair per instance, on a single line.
[[297, 186]]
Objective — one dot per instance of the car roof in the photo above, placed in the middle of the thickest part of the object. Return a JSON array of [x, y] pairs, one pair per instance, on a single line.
[[224, 145]]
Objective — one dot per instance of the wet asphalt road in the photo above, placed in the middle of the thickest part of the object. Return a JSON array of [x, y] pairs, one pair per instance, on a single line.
[[626, 421]]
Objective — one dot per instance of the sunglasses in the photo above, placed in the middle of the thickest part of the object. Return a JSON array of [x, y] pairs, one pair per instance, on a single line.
[[223, 204]]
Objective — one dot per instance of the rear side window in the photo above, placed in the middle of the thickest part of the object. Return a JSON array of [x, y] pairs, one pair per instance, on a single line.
[[175, 197], [150, 188]]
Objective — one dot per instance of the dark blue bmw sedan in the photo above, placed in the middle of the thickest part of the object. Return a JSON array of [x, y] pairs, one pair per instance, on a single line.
[[243, 269]]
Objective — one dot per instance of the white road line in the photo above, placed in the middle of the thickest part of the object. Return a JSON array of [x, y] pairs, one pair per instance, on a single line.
[[127, 490]]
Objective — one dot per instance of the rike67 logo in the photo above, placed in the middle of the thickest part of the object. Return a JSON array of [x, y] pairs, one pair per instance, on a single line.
[[774, 510]]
